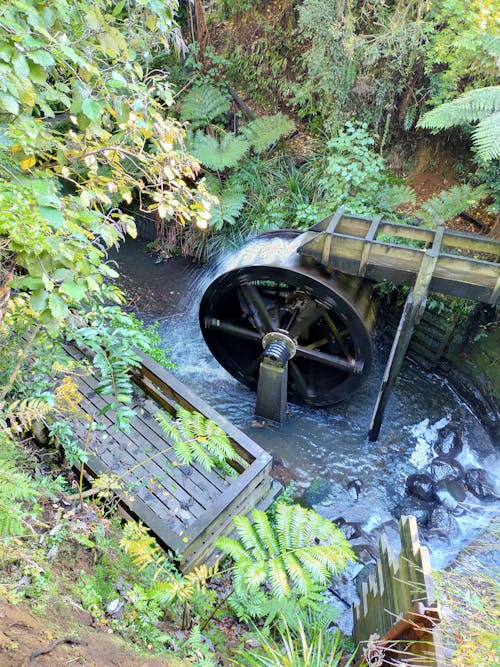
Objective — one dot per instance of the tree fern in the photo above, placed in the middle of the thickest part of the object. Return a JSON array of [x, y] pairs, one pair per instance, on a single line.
[[482, 106], [202, 104], [219, 155], [293, 558], [231, 199], [449, 203], [196, 438], [265, 131], [393, 195]]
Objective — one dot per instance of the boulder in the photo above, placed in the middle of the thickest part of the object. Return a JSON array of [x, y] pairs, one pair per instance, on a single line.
[[415, 507], [317, 490], [449, 444], [420, 485], [450, 492], [476, 480], [441, 523], [444, 468]]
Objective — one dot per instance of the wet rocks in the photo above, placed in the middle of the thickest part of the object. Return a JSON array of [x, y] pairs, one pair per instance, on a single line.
[[442, 523], [478, 484], [441, 468], [449, 444], [317, 490], [450, 492], [354, 488], [420, 485], [420, 509]]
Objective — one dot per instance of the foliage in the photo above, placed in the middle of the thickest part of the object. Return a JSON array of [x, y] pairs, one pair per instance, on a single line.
[[264, 132], [449, 203], [204, 104], [481, 106], [463, 47], [309, 646], [294, 558], [230, 199], [219, 154], [352, 174], [198, 439]]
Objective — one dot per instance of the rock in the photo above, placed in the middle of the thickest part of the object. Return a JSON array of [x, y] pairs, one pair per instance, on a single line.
[[354, 488], [318, 490], [442, 468], [420, 485], [416, 507], [478, 484], [450, 492], [370, 569], [449, 444], [115, 608], [351, 530], [441, 523]]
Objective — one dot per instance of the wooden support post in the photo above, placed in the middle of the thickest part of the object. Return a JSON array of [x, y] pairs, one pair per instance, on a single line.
[[412, 312]]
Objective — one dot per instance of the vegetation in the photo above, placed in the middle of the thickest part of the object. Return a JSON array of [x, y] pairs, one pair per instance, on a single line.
[[294, 109]]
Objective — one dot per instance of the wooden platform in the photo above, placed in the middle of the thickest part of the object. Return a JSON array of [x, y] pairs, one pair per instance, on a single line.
[[467, 265], [185, 507]]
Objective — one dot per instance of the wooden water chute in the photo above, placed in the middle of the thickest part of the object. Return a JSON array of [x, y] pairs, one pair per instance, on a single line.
[[185, 507], [296, 325]]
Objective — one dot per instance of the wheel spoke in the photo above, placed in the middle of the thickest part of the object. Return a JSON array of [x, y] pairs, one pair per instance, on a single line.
[[329, 360], [339, 336], [304, 389], [231, 329], [308, 313], [257, 308]]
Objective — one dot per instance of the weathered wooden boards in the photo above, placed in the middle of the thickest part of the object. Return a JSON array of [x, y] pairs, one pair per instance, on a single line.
[[467, 265], [185, 507], [398, 605]]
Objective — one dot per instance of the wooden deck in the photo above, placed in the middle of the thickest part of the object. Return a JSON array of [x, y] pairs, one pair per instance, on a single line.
[[185, 507], [467, 265]]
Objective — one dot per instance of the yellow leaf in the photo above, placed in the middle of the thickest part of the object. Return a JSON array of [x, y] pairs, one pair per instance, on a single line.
[[151, 22], [27, 162]]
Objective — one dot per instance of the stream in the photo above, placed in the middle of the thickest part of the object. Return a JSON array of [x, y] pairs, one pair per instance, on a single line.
[[361, 483]]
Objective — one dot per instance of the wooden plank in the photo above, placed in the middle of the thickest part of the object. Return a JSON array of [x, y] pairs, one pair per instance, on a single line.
[[370, 236]]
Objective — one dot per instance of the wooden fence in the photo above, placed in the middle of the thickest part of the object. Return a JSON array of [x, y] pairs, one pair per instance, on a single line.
[[396, 622]]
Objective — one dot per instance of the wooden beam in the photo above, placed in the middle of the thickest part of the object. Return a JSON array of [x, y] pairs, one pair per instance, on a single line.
[[412, 312]]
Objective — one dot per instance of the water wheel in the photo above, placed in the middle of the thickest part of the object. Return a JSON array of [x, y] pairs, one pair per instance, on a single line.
[[272, 305]]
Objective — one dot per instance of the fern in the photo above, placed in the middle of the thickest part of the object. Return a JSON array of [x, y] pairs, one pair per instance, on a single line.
[[219, 155], [393, 195], [482, 106], [18, 416], [293, 558], [449, 203], [203, 104], [196, 438], [231, 199], [16, 489], [265, 131]]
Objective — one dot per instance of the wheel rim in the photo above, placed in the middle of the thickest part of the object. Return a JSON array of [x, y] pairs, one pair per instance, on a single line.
[[323, 315]]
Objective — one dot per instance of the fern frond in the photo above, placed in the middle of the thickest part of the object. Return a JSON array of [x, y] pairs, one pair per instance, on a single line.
[[486, 137], [393, 195], [203, 104], [449, 203], [472, 106], [20, 415], [141, 546], [219, 155], [265, 131]]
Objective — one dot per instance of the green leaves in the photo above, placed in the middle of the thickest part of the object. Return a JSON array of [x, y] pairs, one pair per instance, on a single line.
[[196, 438], [92, 109], [219, 155], [265, 131], [203, 104], [293, 558]]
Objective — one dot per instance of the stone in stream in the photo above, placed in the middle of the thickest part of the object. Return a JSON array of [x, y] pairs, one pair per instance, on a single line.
[[450, 492], [414, 506], [478, 484], [317, 490], [354, 488], [449, 444], [442, 468], [420, 485], [442, 524], [369, 570]]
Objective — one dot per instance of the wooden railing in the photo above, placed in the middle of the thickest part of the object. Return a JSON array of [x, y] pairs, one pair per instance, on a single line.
[[396, 621]]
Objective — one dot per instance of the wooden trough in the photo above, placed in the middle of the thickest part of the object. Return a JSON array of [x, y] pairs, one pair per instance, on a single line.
[[185, 507]]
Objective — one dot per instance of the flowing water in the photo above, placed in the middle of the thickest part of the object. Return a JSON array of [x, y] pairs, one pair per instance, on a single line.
[[330, 443]]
